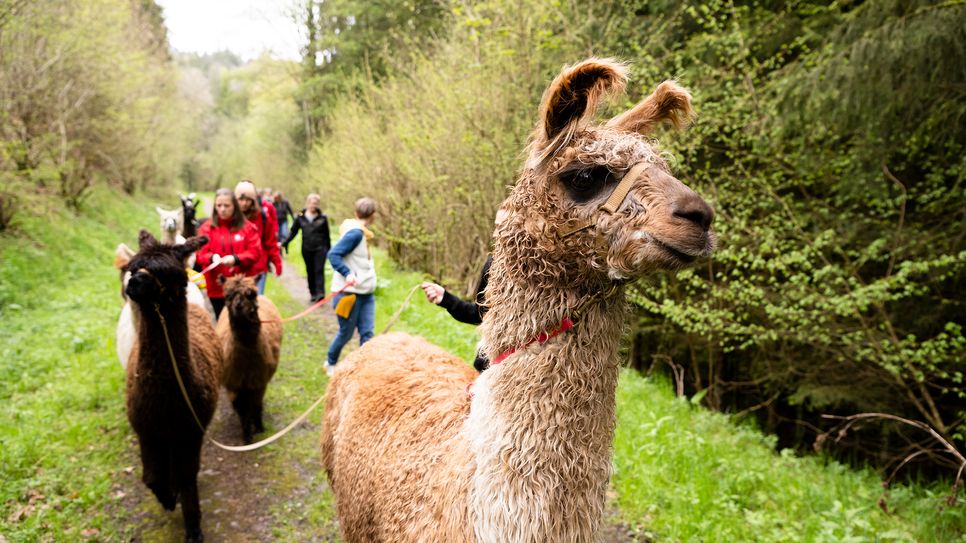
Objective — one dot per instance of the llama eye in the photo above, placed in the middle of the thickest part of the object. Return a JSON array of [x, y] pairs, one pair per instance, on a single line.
[[584, 184]]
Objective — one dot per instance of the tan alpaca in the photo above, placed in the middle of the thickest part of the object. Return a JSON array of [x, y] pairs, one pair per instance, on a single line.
[[251, 350], [410, 456]]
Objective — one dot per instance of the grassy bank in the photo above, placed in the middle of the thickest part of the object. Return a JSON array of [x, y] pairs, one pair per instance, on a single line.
[[63, 429]]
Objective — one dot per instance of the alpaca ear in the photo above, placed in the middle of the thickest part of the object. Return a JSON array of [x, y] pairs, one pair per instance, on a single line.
[[190, 245], [122, 255], [573, 96], [669, 103], [159, 210], [145, 240]]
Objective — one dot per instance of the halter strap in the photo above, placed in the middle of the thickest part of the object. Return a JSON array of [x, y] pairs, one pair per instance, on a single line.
[[613, 203]]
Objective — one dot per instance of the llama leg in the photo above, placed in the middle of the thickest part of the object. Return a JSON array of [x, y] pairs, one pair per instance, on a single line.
[[243, 406], [190, 508], [257, 403], [156, 474]]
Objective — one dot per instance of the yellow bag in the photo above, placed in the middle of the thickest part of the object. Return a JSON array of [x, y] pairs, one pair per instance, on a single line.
[[344, 307], [196, 278]]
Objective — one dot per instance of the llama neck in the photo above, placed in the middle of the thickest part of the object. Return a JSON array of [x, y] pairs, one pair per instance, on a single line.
[[153, 356], [245, 330], [542, 422]]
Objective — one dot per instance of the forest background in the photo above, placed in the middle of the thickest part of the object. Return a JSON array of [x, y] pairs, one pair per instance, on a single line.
[[830, 139]]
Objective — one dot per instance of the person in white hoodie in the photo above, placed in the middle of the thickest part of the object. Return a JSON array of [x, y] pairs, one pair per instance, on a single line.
[[351, 259]]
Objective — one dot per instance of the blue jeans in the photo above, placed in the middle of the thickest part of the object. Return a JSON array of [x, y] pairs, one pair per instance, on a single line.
[[362, 316], [283, 231], [260, 281]]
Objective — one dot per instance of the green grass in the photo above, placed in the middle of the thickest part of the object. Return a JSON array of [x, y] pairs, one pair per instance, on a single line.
[[687, 474], [682, 474], [63, 428]]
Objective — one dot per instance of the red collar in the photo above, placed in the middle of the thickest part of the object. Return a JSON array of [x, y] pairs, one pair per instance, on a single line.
[[542, 338]]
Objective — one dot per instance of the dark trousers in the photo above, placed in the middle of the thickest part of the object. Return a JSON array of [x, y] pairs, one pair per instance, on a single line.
[[217, 304], [315, 270]]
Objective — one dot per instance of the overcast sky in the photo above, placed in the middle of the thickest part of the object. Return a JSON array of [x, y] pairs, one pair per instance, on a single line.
[[245, 27]]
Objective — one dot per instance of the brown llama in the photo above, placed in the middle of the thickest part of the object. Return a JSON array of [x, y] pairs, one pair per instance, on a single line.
[[168, 434], [251, 350], [527, 456]]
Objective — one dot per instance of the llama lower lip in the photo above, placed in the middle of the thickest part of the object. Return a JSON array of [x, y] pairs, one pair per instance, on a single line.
[[679, 255]]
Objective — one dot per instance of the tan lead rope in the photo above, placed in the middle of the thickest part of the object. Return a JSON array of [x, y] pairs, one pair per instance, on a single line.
[[184, 392], [395, 316]]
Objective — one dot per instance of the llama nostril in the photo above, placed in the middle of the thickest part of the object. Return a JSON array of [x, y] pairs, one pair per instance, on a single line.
[[693, 209]]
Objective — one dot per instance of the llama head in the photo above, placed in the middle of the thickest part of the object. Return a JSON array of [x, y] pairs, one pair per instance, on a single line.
[[188, 207], [596, 202], [156, 273], [241, 298], [172, 222]]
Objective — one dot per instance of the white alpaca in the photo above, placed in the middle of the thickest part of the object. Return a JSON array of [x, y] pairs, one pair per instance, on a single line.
[[172, 229]]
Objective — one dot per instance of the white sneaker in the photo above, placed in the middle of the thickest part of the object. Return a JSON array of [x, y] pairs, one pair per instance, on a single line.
[[329, 369]]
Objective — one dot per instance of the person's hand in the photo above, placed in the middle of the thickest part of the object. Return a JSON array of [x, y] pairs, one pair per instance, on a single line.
[[351, 278], [229, 260], [434, 292]]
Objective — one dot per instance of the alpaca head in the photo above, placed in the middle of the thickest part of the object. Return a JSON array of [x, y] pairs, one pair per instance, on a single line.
[[188, 207], [172, 222], [596, 203], [241, 298], [157, 273]]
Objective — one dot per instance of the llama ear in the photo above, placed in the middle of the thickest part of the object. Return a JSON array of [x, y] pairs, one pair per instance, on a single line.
[[122, 255], [669, 103], [159, 210], [145, 240], [573, 96], [190, 245]]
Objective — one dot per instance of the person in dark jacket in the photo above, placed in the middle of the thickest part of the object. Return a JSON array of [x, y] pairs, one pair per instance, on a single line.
[[470, 312], [316, 243], [283, 210]]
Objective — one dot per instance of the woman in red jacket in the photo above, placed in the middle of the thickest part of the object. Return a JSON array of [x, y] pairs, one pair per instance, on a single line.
[[232, 241]]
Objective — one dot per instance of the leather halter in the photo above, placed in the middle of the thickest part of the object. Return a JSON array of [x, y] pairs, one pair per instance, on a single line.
[[613, 203]]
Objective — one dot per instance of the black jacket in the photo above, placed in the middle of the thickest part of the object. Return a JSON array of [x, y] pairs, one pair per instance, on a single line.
[[283, 210], [315, 233], [471, 312]]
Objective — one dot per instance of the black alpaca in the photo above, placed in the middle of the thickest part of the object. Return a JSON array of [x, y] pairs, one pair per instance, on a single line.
[[188, 205], [168, 434]]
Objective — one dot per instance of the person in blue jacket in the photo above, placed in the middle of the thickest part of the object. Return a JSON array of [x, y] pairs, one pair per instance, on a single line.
[[354, 275]]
